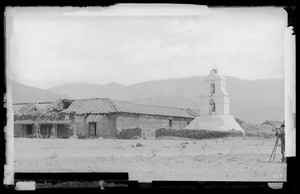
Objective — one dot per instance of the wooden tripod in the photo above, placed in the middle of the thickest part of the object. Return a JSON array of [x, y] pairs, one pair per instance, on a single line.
[[274, 150]]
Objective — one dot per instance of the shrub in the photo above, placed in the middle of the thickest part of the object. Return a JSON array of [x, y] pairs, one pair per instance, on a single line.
[[260, 134], [139, 145]]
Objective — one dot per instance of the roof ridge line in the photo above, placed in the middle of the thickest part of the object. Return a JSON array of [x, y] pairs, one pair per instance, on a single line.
[[116, 107], [180, 108]]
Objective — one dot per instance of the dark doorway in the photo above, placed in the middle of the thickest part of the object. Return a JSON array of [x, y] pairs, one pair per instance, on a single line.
[[28, 130], [45, 130], [62, 131], [170, 123], [92, 129]]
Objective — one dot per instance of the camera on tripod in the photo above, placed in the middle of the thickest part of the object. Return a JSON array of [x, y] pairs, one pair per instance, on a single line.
[[280, 135], [276, 129]]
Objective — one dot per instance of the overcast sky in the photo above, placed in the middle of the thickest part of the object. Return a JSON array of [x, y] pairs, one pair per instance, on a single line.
[[53, 46]]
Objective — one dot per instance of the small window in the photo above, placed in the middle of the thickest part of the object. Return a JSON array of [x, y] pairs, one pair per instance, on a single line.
[[188, 122], [170, 123]]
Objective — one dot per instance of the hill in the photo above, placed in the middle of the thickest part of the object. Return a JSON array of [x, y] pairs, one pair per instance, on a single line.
[[251, 100], [22, 93]]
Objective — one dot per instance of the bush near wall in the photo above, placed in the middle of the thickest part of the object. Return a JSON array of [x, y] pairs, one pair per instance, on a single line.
[[260, 134], [195, 134], [130, 133]]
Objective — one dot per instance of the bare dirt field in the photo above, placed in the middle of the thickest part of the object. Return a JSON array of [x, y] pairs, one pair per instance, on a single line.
[[222, 159]]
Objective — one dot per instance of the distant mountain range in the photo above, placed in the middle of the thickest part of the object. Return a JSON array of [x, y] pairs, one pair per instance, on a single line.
[[251, 100], [22, 93]]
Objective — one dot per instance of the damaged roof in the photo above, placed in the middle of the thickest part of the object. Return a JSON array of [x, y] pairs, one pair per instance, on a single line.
[[106, 105], [17, 107], [272, 123], [25, 108]]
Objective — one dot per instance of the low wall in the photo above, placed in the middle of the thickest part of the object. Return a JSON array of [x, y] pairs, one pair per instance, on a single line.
[[146, 122], [18, 130], [195, 134]]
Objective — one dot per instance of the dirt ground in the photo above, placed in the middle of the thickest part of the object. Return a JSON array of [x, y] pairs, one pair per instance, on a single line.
[[222, 159]]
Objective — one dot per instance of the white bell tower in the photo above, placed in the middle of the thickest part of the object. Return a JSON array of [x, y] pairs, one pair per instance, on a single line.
[[214, 107], [215, 98]]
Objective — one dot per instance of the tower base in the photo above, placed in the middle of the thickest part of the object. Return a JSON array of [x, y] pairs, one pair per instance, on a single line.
[[221, 123]]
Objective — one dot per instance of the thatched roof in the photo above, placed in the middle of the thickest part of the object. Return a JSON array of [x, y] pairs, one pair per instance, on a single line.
[[106, 105]]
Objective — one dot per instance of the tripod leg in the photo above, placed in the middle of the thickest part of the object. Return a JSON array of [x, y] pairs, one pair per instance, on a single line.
[[273, 150], [276, 145], [271, 154], [274, 154]]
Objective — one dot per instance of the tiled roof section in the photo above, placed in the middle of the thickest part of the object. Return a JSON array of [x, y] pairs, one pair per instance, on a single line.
[[193, 112], [129, 107], [273, 123], [92, 105], [105, 105], [54, 106]]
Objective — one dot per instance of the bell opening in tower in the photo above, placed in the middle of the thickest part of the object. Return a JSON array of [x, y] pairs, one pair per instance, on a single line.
[[213, 88], [212, 107]]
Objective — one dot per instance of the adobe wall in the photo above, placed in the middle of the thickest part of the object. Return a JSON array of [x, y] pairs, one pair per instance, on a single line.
[[18, 130], [110, 125], [105, 125], [81, 126], [126, 121], [179, 123]]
